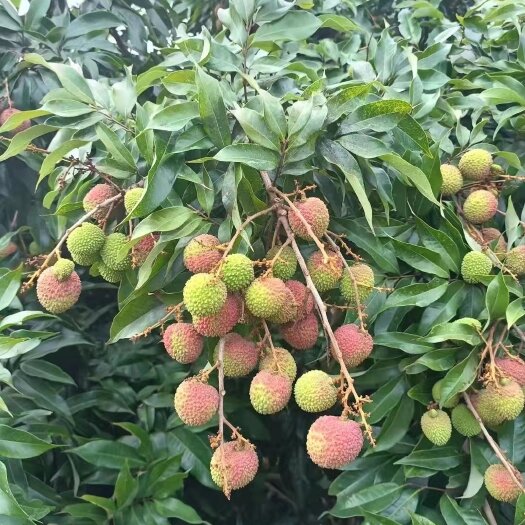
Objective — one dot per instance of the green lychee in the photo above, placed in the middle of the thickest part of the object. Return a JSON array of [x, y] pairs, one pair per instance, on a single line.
[[480, 206], [266, 297], [237, 272], [204, 294], [474, 266], [132, 198], [63, 268], [436, 426], [325, 275], [475, 164], [452, 180], [270, 393], [361, 277], [279, 361], [85, 242], [436, 394], [464, 421], [114, 254], [515, 260], [285, 265], [315, 391]]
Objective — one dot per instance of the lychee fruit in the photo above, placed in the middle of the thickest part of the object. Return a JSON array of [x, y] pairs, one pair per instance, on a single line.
[[237, 272], [452, 180], [480, 206], [361, 277], [474, 266], [96, 196], [183, 343], [464, 421], [475, 164], [325, 275], [55, 295], [141, 250], [204, 294], [315, 213], [196, 402], [233, 465], [355, 344], [201, 254], [285, 265], [269, 392], [114, 252], [498, 403], [496, 171], [266, 296], [109, 275], [8, 113], [8, 250], [279, 361], [301, 334], [315, 391], [303, 298], [132, 198], [436, 394], [515, 260], [436, 426], [85, 242], [222, 322], [500, 485], [288, 312], [332, 442], [494, 238], [513, 368], [63, 268], [240, 355]]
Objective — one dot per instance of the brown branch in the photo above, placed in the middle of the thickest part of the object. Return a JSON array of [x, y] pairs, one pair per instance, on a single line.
[[488, 512]]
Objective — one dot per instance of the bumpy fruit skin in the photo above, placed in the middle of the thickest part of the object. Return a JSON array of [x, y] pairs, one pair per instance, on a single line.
[[285, 265], [475, 164], [480, 206], [464, 422], [237, 272], [63, 268], [301, 334], [183, 343], [325, 275], [9, 112], [9, 250], [333, 442], [280, 361], [515, 260], [201, 254], [266, 296], [452, 180], [474, 266], [436, 394], [288, 311], [303, 298], [222, 322], [204, 294], [355, 344], [315, 391], [132, 197], [57, 296], [436, 426], [512, 368], [97, 195], [233, 465], [500, 484], [315, 212], [85, 242], [109, 275], [270, 393], [240, 355], [494, 238], [142, 249], [498, 403], [363, 276], [195, 402], [111, 253]]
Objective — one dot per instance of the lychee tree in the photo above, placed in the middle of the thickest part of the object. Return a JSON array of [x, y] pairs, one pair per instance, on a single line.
[[301, 235]]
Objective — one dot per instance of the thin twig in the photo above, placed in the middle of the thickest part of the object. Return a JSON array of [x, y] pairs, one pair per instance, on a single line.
[[488, 512]]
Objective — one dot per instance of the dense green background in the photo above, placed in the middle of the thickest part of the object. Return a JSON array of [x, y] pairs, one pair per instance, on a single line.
[[379, 94]]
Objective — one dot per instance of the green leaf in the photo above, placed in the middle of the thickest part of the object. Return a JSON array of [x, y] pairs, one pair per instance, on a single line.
[[99, 501], [174, 117], [35, 13], [382, 115], [338, 23], [256, 128], [57, 155], [512, 439], [364, 146], [346, 100], [21, 140], [385, 398], [395, 426], [174, 508], [421, 258], [409, 343], [17, 118], [108, 454], [9, 285], [294, 26], [459, 378], [456, 515], [420, 294], [9, 506], [47, 371], [165, 220], [439, 459], [420, 520], [115, 146], [454, 332], [497, 298], [212, 109], [126, 487], [92, 21], [250, 154], [519, 515], [515, 312], [19, 444]]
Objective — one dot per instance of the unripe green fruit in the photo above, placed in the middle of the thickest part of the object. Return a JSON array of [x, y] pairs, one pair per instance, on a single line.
[[436, 426], [474, 266], [480, 206], [500, 485], [270, 393], [285, 265], [436, 394], [85, 242], [63, 268], [496, 171], [204, 294], [132, 197], [266, 297], [279, 361], [109, 275], [111, 253], [452, 180], [496, 404], [359, 276], [288, 311], [34, 248], [475, 164], [237, 272], [515, 260], [325, 275], [464, 421], [315, 391]]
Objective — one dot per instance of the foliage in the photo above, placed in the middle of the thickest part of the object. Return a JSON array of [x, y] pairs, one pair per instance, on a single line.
[[363, 99]]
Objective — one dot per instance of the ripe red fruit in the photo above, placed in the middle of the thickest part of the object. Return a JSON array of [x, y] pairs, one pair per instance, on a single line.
[[240, 355], [201, 254], [513, 368], [233, 465], [142, 249], [301, 334], [302, 296], [183, 343], [97, 195], [196, 402], [223, 322], [55, 295], [315, 213], [8, 113], [355, 344]]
